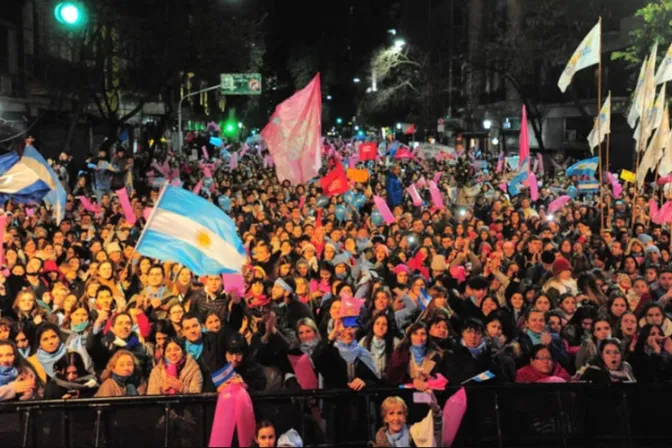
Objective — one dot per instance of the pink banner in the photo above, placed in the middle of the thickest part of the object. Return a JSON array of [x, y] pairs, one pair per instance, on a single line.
[[3, 223], [89, 206], [558, 203], [146, 212], [524, 143], [384, 210], [437, 197], [125, 203], [234, 282], [534, 186], [197, 188], [415, 196], [293, 135], [453, 412], [234, 412], [303, 369]]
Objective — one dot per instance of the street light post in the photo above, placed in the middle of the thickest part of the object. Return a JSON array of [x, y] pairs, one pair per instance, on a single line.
[[179, 110]]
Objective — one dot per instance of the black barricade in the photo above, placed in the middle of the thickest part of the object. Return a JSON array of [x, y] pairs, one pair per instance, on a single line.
[[565, 415]]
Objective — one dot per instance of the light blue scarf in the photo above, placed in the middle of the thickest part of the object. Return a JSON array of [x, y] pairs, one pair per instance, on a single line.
[[7, 375], [535, 337], [47, 360], [400, 439], [418, 352], [195, 349], [475, 351], [353, 351], [308, 347]]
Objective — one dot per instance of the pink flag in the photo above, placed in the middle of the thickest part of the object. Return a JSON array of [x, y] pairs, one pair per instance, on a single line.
[[233, 162], [524, 145], [653, 207], [415, 196], [500, 163], [302, 201], [234, 412], [161, 170], [303, 369], [437, 177], [176, 183], [197, 187], [352, 162], [534, 186], [89, 206], [146, 212], [234, 282], [293, 135], [122, 194], [350, 306], [384, 210], [438, 383], [616, 187], [30, 212], [503, 187], [558, 203], [206, 172], [453, 412], [204, 150], [661, 181], [3, 222], [437, 197], [421, 183]]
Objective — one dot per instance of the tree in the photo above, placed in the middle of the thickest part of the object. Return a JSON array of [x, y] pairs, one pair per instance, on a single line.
[[656, 17], [121, 55]]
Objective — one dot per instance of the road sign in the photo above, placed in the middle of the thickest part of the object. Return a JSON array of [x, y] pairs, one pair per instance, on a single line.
[[241, 83]]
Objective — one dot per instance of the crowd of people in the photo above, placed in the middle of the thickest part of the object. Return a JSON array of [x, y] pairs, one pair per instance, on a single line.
[[494, 289]]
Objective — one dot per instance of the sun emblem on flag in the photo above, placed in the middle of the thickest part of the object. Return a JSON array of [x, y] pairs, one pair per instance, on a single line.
[[203, 239]]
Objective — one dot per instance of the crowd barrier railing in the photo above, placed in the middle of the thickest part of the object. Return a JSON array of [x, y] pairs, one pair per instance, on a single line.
[[548, 415]]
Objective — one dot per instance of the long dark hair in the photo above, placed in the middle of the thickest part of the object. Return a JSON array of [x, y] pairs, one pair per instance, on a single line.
[[389, 336], [406, 342]]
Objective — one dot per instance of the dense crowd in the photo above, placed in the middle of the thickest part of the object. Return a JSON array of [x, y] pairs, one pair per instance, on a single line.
[[491, 286]]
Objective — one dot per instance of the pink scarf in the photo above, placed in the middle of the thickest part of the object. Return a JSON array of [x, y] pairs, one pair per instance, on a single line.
[[303, 369], [234, 411]]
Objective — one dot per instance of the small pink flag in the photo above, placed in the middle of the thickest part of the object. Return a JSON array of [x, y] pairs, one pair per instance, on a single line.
[[3, 222], [437, 197], [437, 177], [415, 196], [234, 282], [503, 187], [122, 194], [384, 210], [176, 183], [204, 150], [421, 183], [30, 212], [206, 172], [534, 187], [305, 375], [161, 170], [88, 206], [233, 163], [302, 201], [146, 212], [558, 203], [653, 207], [616, 187], [453, 412], [197, 187]]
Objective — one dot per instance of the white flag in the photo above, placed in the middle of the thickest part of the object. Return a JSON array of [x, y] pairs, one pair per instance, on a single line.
[[654, 115], [655, 150], [604, 125], [586, 54], [649, 100], [664, 72], [636, 106]]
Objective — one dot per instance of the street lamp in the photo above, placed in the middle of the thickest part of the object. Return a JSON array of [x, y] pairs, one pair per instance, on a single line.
[[240, 125], [495, 141], [69, 14], [392, 31], [356, 80], [328, 97], [399, 44], [399, 126], [487, 124], [356, 128]]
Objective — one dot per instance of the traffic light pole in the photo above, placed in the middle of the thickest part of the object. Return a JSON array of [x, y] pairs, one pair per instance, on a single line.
[[179, 111]]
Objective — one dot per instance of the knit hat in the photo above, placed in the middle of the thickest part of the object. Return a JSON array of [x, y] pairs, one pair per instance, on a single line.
[[290, 438], [560, 265]]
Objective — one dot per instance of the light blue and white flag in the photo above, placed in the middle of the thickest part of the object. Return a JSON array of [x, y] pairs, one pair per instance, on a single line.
[[189, 230], [19, 182], [585, 167], [56, 196], [223, 375], [481, 377]]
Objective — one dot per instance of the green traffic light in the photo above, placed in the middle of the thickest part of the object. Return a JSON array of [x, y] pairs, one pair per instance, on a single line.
[[69, 13]]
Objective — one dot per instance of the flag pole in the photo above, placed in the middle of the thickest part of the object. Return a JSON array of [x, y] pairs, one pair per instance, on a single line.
[[599, 136], [607, 169]]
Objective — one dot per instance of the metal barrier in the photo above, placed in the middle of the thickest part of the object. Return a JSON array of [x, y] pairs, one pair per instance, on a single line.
[[553, 415]]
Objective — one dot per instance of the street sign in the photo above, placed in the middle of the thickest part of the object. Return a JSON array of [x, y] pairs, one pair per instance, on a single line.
[[241, 83]]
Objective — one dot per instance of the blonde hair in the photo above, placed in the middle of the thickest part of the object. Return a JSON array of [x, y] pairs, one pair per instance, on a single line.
[[107, 373], [391, 402], [310, 323]]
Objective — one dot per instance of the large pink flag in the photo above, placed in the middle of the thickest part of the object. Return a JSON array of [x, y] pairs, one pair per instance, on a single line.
[[125, 203], [415, 196], [234, 412], [384, 210], [534, 186], [3, 222], [453, 412], [524, 144], [293, 135], [437, 197]]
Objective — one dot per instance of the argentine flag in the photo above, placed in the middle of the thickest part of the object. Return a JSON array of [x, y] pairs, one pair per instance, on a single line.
[[187, 229], [481, 377], [585, 167], [31, 179]]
